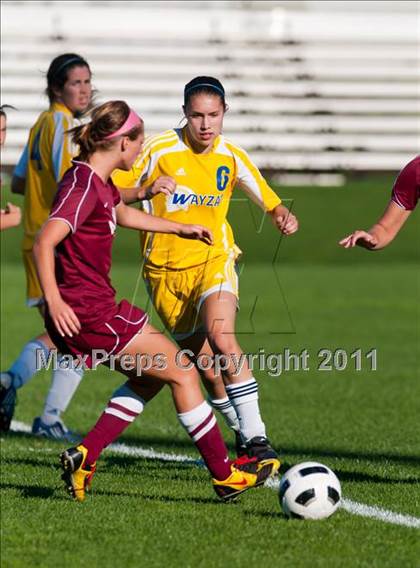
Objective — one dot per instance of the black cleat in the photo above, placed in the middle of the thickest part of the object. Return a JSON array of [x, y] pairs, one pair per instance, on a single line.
[[245, 474], [263, 468], [77, 475], [260, 448]]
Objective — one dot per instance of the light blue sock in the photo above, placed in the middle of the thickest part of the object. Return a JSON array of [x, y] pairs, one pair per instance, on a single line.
[[63, 386], [27, 364]]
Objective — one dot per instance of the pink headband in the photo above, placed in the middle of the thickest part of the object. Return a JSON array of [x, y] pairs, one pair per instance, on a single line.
[[132, 121]]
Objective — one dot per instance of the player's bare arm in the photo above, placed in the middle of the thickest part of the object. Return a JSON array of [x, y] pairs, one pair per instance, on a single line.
[[163, 184], [134, 219], [284, 220], [18, 185], [382, 233], [10, 217], [61, 313]]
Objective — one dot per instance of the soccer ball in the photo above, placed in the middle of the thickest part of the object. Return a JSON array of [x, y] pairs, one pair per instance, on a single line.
[[309, 490]]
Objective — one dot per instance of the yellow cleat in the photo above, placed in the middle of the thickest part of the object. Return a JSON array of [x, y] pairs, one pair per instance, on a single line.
[[246, 473], [76, 474]]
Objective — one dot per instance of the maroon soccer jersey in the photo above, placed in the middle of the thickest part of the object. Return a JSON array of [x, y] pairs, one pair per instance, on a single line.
[[83, 262], [406, 190], [83, 258]]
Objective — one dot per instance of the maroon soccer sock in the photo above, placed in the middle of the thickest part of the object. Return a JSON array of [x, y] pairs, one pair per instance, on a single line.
[[122, 410], [201, 425]]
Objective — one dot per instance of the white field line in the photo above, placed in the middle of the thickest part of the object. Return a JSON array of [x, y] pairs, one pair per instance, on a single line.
[[380, 514], [367, 510], [123, 449], [17, 426], [135, 451], [352, 507]]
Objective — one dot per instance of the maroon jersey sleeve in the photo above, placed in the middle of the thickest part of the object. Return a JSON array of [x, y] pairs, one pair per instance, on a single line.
[[406, 190], [76, 198]]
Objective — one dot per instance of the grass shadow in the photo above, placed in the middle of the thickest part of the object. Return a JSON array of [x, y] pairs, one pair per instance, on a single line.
[[148, 464], [360, 477], [316, 452], [34, 462], [33, 491], [160, 443], [158, 498]]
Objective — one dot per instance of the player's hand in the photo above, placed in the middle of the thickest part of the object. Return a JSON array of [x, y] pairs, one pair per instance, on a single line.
[[360, 238], [285, 221], [14, 212], [163, 184], [197, 232], [64, 318]]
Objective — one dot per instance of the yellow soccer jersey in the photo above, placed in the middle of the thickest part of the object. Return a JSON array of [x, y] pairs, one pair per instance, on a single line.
[[205, 183], [46, 157]]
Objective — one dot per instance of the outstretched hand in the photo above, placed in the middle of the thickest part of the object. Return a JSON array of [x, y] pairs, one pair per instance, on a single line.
[[197, 232], [360, 238]]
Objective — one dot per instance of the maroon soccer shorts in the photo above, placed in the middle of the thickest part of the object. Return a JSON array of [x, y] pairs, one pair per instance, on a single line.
[[105, 340]]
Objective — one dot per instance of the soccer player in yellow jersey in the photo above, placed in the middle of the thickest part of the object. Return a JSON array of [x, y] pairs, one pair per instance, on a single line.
[[194, 287], [47, 155]]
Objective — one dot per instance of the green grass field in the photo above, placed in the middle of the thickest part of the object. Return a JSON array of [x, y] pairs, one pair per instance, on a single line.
[[298, 293]]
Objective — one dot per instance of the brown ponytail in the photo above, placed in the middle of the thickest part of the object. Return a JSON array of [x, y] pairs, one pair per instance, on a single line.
[[106, 119]]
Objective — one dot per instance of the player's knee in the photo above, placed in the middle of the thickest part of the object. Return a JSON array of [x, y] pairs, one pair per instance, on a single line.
[[186, 378], [223, 343], [208, 375]]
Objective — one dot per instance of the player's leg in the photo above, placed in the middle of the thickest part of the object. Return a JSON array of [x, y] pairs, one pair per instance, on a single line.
[[193, 412], [218, 314], [20, 372], [198, 345], [28, 362], [64, 383], [125, 405], [65, 379], [197, 417], [182, 378], [32, 354], [175, 297]]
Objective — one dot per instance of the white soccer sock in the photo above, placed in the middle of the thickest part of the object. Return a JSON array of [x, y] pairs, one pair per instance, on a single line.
[[27, 364], [224, 406], [63, 386], [244, 398], [201, 425], [198, 421], [125, 404]]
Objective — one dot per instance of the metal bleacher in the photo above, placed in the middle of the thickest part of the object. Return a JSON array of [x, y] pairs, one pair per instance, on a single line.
[[314, 91]]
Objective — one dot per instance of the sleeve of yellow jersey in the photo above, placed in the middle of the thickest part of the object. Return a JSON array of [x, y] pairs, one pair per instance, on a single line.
[[62, 151], [251, 181]]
